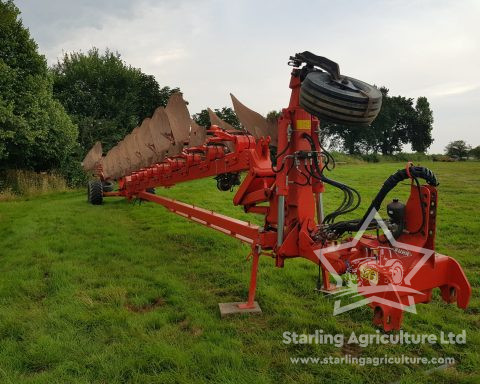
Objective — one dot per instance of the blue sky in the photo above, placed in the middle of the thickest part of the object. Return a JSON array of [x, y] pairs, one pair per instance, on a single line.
[[210, 48]]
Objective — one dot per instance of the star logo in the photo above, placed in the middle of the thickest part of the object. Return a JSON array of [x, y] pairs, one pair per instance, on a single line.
[[396, 285]]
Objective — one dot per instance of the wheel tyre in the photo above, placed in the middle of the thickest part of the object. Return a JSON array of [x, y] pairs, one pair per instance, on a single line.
[[88, 192], [95, 192], [330, 101], [150, 190], [107, 186]]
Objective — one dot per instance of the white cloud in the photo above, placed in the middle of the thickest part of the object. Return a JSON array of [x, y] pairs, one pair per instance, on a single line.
[[451, 89], [210, 48]]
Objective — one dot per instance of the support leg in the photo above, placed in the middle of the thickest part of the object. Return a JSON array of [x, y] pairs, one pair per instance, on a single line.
[[323, 284], [251, 306], [253, 284]]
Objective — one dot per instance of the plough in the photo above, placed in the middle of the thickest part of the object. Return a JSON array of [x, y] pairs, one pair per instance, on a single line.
[[392, 262]]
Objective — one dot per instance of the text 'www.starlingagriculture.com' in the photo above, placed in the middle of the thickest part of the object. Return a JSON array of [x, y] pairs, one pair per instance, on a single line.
[[375, 361]]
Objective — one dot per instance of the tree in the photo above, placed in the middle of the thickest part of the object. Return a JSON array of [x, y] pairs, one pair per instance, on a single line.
[[475, 152], [420, 132], [274, 115], [227, 114], [390, 128], [458, 149], [106, 97], [353, 140], [397, 123], [35, 130]]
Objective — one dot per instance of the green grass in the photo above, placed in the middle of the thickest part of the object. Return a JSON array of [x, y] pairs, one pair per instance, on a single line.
[[126, 293]]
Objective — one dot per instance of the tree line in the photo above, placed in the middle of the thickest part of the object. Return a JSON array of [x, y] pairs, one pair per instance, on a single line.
[[460, 150], [399, 122], [35, 130]]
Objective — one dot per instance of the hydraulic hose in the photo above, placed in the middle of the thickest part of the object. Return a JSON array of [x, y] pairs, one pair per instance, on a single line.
[[413, 172], [393, 180], [350, 194]]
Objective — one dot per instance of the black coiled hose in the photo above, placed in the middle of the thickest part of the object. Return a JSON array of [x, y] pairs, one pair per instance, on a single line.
[[393, 180], [414, 172]]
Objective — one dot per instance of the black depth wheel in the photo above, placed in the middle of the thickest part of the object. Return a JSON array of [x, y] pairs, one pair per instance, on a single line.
[[107, 186], [356, 103], [88, 192], [95, 189]]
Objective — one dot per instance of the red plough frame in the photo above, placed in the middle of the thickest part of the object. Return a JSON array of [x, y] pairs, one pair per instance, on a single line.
[[293, 215]]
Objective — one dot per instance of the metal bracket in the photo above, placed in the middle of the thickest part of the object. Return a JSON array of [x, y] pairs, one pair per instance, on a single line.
[[316, 61]]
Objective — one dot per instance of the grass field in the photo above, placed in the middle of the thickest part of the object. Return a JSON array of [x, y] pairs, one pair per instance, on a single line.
[[126, 293]]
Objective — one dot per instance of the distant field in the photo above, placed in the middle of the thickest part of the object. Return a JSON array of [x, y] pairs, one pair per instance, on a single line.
[[127, 293]]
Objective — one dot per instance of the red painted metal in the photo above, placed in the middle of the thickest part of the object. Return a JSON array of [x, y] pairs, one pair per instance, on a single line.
[[113, 193], [239, 229], [263, 189]]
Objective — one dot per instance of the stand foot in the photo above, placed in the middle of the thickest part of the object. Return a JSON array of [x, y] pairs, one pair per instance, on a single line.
[[227, 309], [329, 291]]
